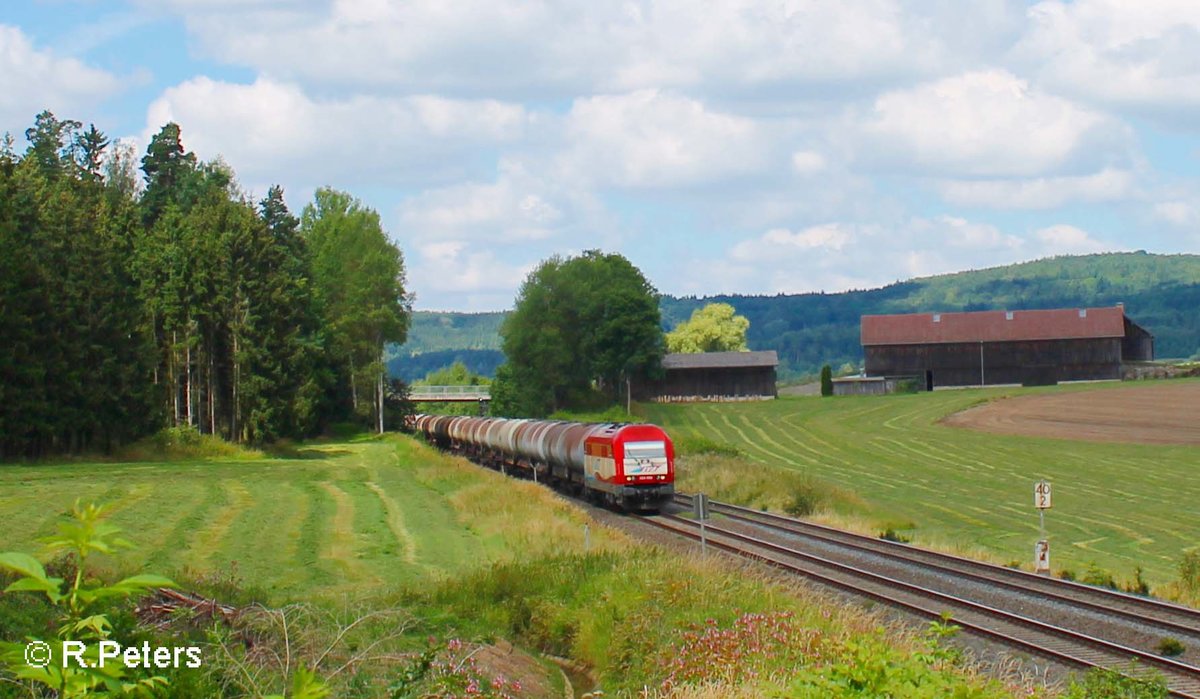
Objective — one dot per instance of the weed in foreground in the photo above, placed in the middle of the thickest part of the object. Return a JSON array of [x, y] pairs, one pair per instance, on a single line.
[[81, 619], [1103, 683]]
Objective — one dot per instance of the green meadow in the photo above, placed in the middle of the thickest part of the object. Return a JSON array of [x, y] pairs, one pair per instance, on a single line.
[[425, 549], [336, 518], [1117, 506], [445, 550]]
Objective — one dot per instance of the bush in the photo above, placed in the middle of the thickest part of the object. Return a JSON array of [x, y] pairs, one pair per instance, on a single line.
[[740, 481], [343, 430], [1102, 683], [804, 502], [1139, 586], [1189, 571], [184, 442], [890, 534], [1170, 647], [82, 606], [1099, 577], [614, 413], [703, 445]]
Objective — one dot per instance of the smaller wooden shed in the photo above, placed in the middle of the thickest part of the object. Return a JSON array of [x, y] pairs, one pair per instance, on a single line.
[[714, 376], [865, 385]]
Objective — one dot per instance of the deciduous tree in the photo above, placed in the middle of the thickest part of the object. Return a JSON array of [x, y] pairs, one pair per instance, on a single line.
[[358, 277], [580, 323], [714, 328]]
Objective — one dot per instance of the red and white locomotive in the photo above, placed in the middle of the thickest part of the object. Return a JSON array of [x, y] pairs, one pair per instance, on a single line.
[[630, 466]]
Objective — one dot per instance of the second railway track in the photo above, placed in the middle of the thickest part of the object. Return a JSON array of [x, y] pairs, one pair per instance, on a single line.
[[1073, 624]]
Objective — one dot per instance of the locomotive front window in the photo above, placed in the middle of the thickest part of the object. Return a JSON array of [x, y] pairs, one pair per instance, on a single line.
[[645, 450]]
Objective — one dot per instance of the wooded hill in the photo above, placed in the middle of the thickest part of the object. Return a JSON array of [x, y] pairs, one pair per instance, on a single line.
[[1160, 292]]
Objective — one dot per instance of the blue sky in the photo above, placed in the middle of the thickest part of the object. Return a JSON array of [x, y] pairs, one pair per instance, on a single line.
[[723, 146]]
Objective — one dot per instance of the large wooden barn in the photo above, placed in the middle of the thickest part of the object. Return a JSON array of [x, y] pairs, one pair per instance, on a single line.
[[713, 376], [1004, 347]]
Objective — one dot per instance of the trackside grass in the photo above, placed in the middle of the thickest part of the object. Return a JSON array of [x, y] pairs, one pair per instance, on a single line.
[[653, 624], [1118, 506]]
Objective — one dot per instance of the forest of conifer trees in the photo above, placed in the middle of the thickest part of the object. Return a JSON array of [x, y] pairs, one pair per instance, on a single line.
[[137, 295]]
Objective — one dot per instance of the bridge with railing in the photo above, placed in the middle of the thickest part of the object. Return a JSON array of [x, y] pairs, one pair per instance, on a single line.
[[449, 394]]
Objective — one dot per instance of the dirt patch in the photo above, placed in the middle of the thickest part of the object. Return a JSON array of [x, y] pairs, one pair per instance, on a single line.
[[502, 659], [1158, 414]]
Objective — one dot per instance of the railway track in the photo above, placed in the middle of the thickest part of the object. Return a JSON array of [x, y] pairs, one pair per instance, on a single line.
[[1083, 629]]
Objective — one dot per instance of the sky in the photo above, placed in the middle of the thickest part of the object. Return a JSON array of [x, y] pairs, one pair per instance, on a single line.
[[723, 146]]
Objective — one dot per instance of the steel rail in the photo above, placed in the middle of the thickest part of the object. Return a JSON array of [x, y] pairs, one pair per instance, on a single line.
[[1048, 588], [1182, 673]]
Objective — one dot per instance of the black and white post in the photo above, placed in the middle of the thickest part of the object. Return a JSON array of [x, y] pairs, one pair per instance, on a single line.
[[1041, 500]]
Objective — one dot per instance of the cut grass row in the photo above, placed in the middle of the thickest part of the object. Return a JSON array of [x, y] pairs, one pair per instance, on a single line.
[[1118, 506], [341, 518]]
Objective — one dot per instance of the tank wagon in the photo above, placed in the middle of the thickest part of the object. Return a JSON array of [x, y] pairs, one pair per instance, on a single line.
[[630, 466]]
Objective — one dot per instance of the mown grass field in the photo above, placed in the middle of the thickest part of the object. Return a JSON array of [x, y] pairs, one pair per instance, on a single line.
[[339, 518], [1116, 505], [450, 553]]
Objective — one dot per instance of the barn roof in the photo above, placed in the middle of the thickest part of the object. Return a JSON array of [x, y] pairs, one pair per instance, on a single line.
[[993, 326], [720, 360]]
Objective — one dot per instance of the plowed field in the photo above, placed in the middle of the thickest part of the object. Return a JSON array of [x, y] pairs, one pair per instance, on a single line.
[[1154, 414]]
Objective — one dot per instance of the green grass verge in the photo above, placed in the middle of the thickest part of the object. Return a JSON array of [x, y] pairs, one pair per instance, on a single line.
[[1117, 505], [650, 621]]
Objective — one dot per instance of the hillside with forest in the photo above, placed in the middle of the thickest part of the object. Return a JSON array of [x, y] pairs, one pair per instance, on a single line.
[[1160, 292]]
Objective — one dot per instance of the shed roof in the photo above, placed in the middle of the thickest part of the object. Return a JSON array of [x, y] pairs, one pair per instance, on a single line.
[[993, 326], [720, 360]]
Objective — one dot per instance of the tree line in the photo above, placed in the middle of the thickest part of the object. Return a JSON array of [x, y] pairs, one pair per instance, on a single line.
[[144, 293]]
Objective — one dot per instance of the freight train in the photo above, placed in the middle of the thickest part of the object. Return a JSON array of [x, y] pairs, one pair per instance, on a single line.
[[629, 466]]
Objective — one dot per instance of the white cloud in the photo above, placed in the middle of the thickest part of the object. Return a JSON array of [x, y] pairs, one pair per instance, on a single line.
[[1177, 213], [839, 256], [569, 48], [653, 139], [267, 127], [958, 232], [515, 207], [1062, 239], [476, 279], [807, 162], [782, 242], [985, 123], [33, 79], [1109, 184], [1143, 56]]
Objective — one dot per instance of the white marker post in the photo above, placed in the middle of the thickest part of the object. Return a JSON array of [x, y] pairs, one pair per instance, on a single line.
[[1041, 556], [1041, 500]]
